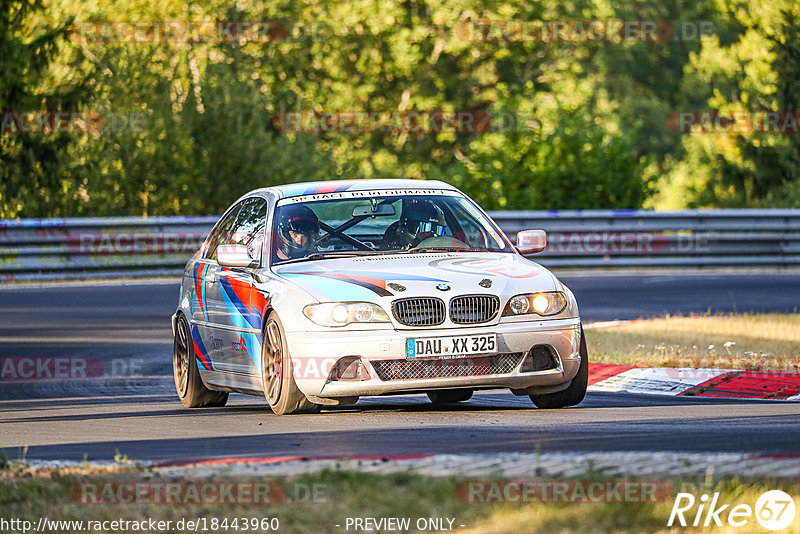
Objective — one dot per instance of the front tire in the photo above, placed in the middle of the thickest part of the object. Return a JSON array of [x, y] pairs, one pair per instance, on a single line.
[[449, 396], [277, 378], [576, 391], [191, 389]]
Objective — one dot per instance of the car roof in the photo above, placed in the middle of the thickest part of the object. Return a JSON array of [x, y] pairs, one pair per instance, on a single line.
[[331, 186]]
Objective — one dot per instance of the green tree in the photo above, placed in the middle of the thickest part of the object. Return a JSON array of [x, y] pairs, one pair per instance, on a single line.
[[590, 117], [758, 71], [34, 169]]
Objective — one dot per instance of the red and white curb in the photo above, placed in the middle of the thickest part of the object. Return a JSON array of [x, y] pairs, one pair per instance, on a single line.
[[520, 464], [686, 381], [545, 465]]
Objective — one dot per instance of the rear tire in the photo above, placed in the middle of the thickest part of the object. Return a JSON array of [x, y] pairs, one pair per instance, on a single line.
[[190, 387], [447, 396], [576, 391], [277, 378]]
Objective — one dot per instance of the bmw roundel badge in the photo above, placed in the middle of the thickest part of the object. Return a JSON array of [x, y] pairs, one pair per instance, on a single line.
[[443, 287]]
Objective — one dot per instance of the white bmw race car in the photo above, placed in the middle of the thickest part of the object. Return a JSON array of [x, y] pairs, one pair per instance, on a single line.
[[315, 294]]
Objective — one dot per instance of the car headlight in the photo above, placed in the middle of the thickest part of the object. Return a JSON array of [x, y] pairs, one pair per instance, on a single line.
[[544, 304], [344, 313]]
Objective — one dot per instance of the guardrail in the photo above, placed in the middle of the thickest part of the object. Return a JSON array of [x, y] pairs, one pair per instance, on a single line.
[[41, 249], [32, 249], [645, 239]]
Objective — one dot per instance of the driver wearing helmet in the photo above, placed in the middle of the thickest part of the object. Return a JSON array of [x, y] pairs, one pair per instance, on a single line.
[[297, 232], [420, 220]]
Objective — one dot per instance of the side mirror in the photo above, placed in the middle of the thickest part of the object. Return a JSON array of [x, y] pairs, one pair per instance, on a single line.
[[531, 241], [234, 256]]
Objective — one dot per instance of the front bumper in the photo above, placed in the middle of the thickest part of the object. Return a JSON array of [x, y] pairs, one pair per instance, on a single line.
[[315, 354]]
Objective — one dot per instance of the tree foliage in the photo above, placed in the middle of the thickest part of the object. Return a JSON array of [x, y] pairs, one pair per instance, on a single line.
[[189, 126], [757, 69], [34, 169]]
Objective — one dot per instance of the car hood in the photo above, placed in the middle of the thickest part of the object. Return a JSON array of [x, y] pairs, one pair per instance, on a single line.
[[369, 278]]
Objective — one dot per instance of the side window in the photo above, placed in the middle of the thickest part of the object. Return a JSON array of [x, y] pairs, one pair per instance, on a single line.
[[250, 226], [219, 234]]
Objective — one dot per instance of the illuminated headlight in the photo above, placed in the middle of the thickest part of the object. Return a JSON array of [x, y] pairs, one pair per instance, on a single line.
[[550, 303], [344, 313]]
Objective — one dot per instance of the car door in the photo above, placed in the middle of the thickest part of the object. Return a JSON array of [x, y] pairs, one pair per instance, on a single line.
[[208, 344], [233, 317]]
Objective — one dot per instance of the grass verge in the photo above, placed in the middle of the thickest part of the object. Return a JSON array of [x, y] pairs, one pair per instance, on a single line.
[[769, 342], [30, 495]]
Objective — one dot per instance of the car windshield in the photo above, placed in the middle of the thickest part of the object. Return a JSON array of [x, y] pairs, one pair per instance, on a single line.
[[369, 222]]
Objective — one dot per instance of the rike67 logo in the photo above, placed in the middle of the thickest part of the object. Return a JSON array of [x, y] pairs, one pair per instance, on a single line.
[[774, 510]]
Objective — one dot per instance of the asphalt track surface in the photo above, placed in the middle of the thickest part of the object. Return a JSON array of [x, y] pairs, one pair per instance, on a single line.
[[137, 412]]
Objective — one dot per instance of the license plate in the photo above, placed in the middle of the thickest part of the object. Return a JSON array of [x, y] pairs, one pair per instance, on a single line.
[[451, 345]]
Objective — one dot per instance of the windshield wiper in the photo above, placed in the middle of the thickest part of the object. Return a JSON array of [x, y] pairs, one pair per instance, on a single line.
[[331, 254], [441, 249]]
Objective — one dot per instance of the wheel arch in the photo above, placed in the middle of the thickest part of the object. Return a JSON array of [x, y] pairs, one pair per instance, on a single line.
[[267, 311]]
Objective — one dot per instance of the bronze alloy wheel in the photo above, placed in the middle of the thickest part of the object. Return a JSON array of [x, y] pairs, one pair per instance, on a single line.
[[188, 382], [277, 378], [272, 362], [180, 359]]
